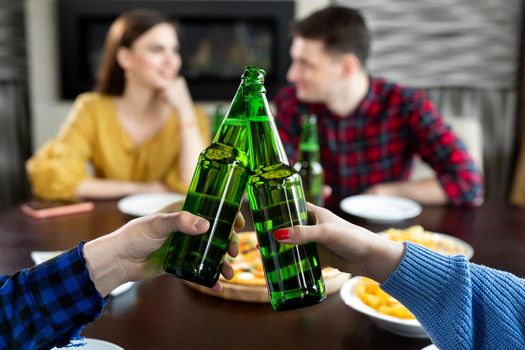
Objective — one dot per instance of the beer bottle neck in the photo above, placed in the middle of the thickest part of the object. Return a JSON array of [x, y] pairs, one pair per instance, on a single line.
[[266, 147], [234, 128], [309, 141], [309, 156], [218, 117]]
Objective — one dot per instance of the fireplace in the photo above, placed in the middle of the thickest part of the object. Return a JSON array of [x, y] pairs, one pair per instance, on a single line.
[[218, 38]]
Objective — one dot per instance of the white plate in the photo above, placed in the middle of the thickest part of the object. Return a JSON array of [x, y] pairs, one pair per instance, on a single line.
[[455, 245], [147, 203], [406, 328], [41, 256], [96, 344], [430, 347], [382, 209]]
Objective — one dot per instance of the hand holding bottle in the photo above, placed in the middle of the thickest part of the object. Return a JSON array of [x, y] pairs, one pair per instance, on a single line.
[[136, 250], [347, 247]]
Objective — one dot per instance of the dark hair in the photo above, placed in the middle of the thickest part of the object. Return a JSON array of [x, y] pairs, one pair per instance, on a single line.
[[341, 29], [123, 32]]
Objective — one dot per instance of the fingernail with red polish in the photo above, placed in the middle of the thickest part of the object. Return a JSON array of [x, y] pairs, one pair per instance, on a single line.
[[281, 233]]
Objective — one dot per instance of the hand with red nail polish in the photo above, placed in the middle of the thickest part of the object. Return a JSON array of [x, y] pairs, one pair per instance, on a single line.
[[345, 246], [282, 233]]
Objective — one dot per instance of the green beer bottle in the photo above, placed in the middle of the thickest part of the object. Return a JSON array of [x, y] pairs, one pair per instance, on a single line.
[[218, 117], [308, 162], [292, 272], [215, 193]]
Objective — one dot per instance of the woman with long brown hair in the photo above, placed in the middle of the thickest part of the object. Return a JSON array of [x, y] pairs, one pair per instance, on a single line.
[[139, 130]]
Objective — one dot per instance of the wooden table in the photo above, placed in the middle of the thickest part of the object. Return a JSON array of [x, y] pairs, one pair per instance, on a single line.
[[163, 313]]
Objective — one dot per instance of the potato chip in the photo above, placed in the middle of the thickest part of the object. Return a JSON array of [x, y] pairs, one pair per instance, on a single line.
[[372, 295]]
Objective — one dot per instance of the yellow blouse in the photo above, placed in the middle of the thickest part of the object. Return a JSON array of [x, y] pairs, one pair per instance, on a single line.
[[93, 134]]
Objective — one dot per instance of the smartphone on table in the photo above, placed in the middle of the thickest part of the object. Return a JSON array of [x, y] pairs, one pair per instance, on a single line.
[[48, 209]]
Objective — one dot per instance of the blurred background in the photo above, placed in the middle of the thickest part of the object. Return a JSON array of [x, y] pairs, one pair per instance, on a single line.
[[467, 55]]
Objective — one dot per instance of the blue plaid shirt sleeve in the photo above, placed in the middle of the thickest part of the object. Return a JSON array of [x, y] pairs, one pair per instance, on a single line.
[[49, 304]]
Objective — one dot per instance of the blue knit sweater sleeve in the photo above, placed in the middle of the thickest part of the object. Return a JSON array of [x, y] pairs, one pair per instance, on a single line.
[[461, 305]]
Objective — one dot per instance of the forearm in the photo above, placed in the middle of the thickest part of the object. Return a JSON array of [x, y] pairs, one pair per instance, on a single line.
[[104, 188], [105, 268], [426, 191], [191, 146], [348, 247], [191, 142], [382, 258]]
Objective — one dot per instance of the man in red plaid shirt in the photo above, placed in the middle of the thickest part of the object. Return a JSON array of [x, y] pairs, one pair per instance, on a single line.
[[369, 129]]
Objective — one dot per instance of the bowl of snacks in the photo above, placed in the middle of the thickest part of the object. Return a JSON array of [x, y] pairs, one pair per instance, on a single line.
[[439, 242], [386, 312], [365, 296]]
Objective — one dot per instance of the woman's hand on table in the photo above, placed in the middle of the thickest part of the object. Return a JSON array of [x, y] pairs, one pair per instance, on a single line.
[[137, 250]]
